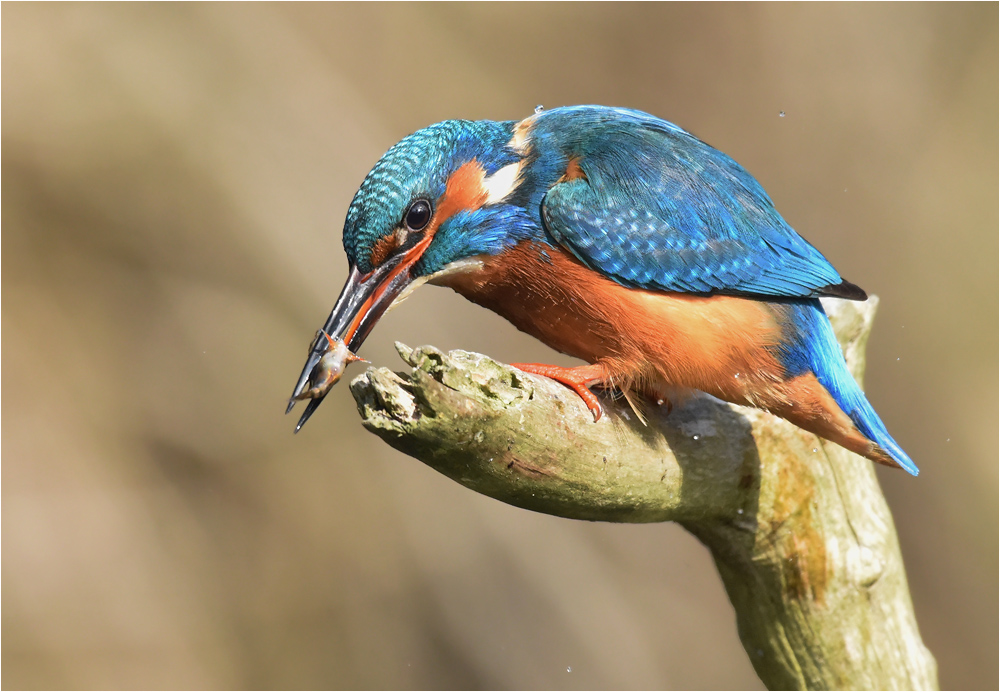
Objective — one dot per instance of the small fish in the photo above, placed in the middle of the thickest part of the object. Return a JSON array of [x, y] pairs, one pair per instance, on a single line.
[[329, 369]]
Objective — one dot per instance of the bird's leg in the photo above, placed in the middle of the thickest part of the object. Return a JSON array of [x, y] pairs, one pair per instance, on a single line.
[[578, 379]]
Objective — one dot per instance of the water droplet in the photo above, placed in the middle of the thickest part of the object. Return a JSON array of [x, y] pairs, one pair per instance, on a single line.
[[815, 450], [781, 114], [948, 440], [897, 359], [695, 437], [739, 511], [569, 669], [659, 402], [539, 108]]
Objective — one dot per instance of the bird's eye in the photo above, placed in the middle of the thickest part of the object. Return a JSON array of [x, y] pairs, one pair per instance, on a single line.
[[418, 215]]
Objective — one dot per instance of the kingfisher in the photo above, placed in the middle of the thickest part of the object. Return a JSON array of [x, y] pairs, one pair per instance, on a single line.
[[619, 239]]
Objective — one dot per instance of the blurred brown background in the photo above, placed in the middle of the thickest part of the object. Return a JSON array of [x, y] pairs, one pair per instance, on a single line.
[[175, 179]]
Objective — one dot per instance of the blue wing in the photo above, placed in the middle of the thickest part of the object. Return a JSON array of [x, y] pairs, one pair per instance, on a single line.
[[657, 208]]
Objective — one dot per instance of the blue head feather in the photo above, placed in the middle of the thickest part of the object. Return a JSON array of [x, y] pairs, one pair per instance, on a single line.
[[418, 167]]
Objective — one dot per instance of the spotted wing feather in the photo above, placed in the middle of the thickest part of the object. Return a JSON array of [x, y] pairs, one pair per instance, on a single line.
[[657, 208]]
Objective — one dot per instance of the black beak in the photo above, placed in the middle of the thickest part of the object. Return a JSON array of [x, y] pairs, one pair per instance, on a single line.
[[363, 300]]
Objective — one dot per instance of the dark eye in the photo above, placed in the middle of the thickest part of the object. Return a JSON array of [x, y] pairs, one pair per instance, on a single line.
[[418, 215]]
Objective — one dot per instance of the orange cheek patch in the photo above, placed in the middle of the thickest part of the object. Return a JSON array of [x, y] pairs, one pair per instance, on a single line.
[[463, 191]]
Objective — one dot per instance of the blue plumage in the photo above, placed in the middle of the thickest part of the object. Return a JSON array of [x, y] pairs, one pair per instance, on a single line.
[[660, 209], [498, 228], [811, 346], [616, 199]]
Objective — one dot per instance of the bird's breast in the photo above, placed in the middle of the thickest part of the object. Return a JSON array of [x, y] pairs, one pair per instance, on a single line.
[[724, 345]]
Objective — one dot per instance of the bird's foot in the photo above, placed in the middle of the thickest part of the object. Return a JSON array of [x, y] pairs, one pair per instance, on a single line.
[[578, 379]]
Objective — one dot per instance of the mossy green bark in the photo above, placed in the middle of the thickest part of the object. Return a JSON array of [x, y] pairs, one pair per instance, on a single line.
[[798, 526]]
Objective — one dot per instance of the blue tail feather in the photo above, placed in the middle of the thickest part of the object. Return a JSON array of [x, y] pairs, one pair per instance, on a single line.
[[817, 351]]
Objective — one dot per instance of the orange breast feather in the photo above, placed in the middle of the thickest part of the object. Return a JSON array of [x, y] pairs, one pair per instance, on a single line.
[[717, 344]]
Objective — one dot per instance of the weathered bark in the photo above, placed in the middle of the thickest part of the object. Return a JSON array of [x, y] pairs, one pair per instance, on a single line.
[[798, 526]]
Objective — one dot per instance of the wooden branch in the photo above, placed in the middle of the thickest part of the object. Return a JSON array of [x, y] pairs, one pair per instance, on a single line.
[[798, 526]]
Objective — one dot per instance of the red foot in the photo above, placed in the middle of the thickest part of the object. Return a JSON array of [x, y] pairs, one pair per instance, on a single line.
[[576, 379]]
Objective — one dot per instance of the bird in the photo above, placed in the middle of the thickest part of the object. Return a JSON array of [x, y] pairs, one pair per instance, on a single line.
[[617, 238]]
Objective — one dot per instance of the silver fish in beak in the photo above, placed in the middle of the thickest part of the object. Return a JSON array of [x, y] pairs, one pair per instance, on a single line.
[[327, 372]]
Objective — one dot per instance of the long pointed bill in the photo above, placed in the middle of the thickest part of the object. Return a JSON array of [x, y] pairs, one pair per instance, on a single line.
[[366, 298], [363, 300]]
